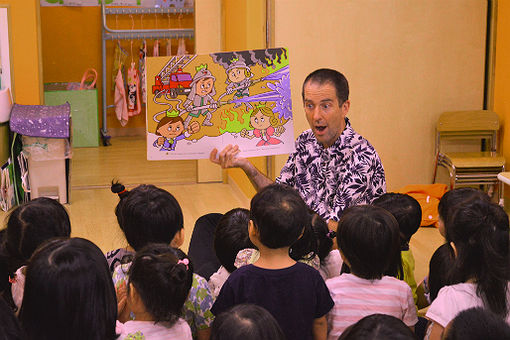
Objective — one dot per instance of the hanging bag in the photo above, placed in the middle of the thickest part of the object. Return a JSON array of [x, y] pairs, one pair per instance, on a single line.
[[89, 73]]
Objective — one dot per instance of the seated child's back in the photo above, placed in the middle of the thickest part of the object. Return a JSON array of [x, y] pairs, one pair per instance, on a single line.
[[294, 293], [368, 239], [407, 212]]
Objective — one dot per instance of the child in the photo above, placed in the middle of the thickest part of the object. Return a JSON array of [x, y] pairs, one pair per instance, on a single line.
[[10, 328], [231, 236], [148, 214], [378, 327], [407, 212], [452, 199], [314, 248], [28, 226], [246, 322], [330, 259], [479, 235], [477, 323], [69, 293], [158, 286], [439, 266], [368, 239], [442, 259], [293, 292]]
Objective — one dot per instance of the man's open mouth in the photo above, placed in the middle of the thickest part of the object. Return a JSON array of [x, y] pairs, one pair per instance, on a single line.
[[320, 128]]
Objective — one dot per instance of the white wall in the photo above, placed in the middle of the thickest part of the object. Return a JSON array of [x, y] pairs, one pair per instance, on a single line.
[[406, 61]]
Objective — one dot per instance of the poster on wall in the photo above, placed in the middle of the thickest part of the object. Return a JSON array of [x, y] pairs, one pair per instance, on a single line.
[[141, 3], [199, 102]]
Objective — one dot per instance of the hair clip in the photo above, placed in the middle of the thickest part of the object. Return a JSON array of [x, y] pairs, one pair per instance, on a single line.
[[184, 262], [12, 280], [331, 234]]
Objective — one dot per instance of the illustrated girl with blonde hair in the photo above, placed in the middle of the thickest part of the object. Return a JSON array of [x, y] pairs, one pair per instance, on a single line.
[[265, 124]]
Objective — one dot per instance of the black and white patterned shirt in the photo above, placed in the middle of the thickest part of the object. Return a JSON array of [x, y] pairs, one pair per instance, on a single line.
[[330, 180]]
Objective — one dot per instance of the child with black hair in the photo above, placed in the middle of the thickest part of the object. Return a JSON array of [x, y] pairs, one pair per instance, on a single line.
[[230, 236], [440, 264], [148, 214], [158, 285], [293, 292], [453, 199], [246, 322], [28, 226], [442, 259], [378, 327], [368, 240], [407, 212], [69, 293], [10, 328], [330, 259], [314, 248], [478, 232], [475, 324]]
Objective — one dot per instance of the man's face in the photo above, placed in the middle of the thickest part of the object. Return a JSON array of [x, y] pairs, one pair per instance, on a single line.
[[204, 86], [171, 130], [325, 115]]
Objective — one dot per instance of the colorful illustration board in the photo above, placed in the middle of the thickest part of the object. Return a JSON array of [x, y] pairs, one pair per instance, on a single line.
[[199, 102]]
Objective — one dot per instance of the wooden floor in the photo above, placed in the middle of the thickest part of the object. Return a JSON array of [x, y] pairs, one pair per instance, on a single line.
[[92, 203]]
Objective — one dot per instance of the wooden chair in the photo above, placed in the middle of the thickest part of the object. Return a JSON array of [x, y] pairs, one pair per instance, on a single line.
[[470, 168]]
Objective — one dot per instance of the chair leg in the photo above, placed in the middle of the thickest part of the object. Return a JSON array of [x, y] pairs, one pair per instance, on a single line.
[[435, 169]]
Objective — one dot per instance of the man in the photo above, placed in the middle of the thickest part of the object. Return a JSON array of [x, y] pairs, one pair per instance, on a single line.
[[332, 167]]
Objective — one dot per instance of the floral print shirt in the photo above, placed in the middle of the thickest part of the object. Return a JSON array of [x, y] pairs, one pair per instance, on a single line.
[[330, 180], [197, 308]]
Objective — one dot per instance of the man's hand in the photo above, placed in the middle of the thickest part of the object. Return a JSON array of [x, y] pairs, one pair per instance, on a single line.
[[193, 127], [227, 158]]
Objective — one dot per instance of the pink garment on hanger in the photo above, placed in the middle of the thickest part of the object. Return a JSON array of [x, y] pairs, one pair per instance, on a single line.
[[155, 52], [133, 101], [181, 49], [168, 47], [121, 109], [141, 67]]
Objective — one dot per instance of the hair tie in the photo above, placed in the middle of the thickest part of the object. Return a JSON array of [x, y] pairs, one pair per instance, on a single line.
[[185, 262], [331, 234]]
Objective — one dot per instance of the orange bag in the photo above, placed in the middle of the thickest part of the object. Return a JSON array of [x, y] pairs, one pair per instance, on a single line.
[[428, 195]]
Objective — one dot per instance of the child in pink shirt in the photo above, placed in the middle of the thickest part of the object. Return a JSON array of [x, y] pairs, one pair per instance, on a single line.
[[368, 240]]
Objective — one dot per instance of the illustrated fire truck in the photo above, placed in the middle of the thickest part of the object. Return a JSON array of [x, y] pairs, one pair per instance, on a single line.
[[172, 79]]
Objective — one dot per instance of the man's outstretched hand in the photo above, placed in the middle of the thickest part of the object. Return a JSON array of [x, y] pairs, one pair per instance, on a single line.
[[227, 158]]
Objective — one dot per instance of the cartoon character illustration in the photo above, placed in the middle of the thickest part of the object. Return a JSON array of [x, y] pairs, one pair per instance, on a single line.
[[239, 80], [171, 129], [200, 100], [265, 124]]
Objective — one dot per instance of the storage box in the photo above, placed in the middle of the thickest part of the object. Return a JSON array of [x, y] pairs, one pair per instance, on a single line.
[[47, 167]]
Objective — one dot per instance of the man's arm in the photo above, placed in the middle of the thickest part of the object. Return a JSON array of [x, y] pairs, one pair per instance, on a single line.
[[227, 158]]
